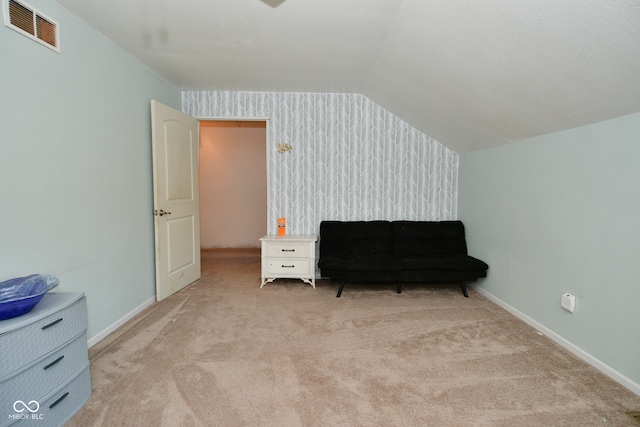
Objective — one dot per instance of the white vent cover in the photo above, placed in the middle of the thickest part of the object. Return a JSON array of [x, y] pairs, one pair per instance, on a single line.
[[29, 22]]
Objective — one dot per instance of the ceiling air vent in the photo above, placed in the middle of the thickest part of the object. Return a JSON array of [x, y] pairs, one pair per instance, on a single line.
[[29, 22]]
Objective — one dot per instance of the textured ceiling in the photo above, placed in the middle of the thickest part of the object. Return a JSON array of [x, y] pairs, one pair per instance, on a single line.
[[471, 74]]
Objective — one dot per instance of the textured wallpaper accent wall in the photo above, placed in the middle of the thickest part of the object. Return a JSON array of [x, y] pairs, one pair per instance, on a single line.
[[351, 159]]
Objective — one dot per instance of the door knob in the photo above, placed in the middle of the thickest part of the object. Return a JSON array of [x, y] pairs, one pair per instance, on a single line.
[[161, 212]]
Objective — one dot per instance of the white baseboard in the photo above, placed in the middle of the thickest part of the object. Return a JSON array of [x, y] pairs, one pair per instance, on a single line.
[[95, 339], [599, 365]]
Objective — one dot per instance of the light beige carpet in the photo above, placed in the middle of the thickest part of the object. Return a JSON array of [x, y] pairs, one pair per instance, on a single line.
[[223, 352]]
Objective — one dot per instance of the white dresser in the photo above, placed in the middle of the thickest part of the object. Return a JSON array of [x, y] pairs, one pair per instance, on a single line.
[[44, 368], [289, 257]]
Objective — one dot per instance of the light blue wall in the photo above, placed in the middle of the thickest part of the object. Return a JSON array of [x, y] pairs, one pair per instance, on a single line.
[[75, 165], [560, 213]]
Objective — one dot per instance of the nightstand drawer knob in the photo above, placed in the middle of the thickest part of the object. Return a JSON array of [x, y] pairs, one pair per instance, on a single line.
[[59, 400], [54, 362], [55, 322]]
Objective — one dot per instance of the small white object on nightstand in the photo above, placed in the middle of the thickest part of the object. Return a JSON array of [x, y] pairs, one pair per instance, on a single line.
[[289, 257]]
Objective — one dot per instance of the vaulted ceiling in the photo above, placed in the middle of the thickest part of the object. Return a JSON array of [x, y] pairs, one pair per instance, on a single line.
[[470, 73]]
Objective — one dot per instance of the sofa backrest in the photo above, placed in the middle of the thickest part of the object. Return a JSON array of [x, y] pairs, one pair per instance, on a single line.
[[402, 238], [343, 238], [428, 237]]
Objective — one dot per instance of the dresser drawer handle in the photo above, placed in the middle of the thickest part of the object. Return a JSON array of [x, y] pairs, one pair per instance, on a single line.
[[288, 266], [54, 362], [59, 400], [288, 250], [55, 322]]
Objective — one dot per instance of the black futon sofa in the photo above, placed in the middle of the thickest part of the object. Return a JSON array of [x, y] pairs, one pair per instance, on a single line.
[[397, 252]]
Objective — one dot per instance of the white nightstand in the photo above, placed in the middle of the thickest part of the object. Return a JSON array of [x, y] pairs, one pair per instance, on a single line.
[[289, 257]]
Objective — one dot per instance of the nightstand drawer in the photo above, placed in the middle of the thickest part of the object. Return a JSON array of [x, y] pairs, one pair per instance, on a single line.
[[24, 345], [47, 374], [285, 267], [288, 250], [60, 406]]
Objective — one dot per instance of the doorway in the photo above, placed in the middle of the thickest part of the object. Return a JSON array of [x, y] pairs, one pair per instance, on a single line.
[[233, 183]]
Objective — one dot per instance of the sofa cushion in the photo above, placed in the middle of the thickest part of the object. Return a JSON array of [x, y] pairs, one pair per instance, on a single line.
[[421, 238], [353, 238], [361, 263], [453, 262], [442, 276]]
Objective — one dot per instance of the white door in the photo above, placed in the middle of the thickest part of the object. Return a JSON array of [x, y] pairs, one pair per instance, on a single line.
[[175, 199]]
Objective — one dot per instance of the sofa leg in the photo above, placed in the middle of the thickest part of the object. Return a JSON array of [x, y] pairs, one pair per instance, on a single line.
[[399, 288], [464, 290], [340, 290]]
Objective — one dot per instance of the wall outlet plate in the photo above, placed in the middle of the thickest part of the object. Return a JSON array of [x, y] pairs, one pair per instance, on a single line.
[[568, 302]]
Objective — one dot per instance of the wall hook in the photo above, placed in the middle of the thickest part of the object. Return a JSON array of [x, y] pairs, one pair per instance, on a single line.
[[283, 148]]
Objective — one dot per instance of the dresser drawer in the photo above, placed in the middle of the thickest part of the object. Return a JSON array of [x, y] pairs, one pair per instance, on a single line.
[[284, 267], [35, 382], [22, 346], [59, 407], [287, 250]]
